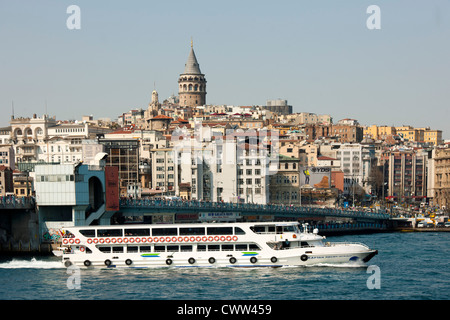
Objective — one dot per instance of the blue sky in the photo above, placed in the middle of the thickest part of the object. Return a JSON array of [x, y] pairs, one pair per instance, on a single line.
[[318, 55]]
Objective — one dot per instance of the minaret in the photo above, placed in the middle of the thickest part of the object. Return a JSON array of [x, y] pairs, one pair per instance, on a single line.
[[192, 83]]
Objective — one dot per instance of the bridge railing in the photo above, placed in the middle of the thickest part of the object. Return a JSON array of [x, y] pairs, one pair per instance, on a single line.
[[250, 207], [13, 202]]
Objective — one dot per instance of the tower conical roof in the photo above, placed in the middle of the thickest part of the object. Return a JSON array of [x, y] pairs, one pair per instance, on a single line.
[[192, 66]]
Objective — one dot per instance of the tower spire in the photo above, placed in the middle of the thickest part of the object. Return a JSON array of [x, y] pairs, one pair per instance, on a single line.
[[192, 43]]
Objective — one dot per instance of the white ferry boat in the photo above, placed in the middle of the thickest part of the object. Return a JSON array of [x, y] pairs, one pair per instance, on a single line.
[[246, 244]]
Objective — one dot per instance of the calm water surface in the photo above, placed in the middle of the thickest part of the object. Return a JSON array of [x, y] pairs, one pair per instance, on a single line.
[[413, 266]]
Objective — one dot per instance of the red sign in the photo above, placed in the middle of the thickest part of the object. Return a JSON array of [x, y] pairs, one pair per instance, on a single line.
[[112, 188]]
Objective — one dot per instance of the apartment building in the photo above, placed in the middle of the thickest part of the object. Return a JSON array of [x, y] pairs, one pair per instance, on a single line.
[[285, 183], [407, 174], [442, 178]]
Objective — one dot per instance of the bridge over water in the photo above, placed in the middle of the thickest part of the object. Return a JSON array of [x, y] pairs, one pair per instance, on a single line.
[[139, 207]]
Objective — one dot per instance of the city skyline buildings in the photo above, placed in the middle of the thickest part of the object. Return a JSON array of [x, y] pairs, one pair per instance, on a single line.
[[320, 57]]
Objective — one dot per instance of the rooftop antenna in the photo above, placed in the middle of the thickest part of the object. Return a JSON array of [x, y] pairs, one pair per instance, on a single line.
[[12, 108]]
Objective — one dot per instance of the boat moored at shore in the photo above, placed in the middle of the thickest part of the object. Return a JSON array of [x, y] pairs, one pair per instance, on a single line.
[[241, 244]]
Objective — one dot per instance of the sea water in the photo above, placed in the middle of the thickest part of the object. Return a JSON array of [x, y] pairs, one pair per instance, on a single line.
[[409, 266]]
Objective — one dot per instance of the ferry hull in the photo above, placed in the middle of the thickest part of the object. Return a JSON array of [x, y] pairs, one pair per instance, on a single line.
[[238, 260]]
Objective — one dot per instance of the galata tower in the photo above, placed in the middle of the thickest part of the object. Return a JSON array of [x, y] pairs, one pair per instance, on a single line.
[[192, 83]]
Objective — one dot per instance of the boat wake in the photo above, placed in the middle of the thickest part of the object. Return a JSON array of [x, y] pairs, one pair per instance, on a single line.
[[31, 264]]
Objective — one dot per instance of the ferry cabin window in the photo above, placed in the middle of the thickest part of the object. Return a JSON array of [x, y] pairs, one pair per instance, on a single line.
[[117, 249], [132, 249], [88, 233], [253, 247], [238, 231], [105, 249], [145, 248], [173, 248], [201, 247], [164, 232], [137, 232], [227, 247], [241, 247], [160, 248], [213, 247], [185, 248], [109, 232], [192, 231], [220, 231]]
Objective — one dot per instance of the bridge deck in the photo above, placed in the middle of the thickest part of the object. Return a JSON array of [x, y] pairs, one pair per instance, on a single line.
[[152, 206]]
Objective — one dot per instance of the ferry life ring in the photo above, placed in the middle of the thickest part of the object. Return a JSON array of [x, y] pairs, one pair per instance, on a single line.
[[138, 240], [87, 263], [212, 260], [253, 260], [95, 241], [216, 238], [71, 241], [235, 238], [119, 240], [131, 240], [125, 240], [228, 238], [204, 238], [143, 240], [155, 239], [198, 239], [186, 239], [174, 239], [102, 240], [161, 239], [294, 236], [113, 240], [77, 241], [222, 238], [89, 241], [232, 260], [210, 238], [303, 257], [273, 259], [168, 239], [180, 239], [81, 249], [192, 239], [65, 241], [149, 239], [107, 240], [169, 262], [191, 260]]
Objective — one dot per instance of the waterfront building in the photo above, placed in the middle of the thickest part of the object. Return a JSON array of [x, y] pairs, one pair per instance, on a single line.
[[407, 175], [6, 180], [285, 183], [7, 156], [71, 195], [164, 171], [356, 161], [442, 178], [123, 153]]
